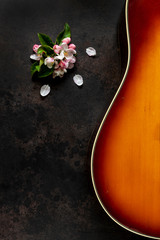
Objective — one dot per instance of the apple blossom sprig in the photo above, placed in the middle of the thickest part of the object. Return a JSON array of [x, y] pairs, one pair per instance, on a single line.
[[53, 58]]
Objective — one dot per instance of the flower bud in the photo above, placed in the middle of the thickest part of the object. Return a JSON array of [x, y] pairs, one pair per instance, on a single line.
[[72, 46], [35, 47], [66, 40]]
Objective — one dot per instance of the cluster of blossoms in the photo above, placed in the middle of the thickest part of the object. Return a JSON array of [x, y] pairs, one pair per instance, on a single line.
[[62, 59], [55, 58]]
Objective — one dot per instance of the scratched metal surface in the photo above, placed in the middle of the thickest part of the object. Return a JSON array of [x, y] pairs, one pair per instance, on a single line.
[[45, 185]]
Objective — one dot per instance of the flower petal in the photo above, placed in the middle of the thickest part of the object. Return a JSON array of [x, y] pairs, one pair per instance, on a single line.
[[71, 65], [49, 61], [71, 51], [35, 47], [45, 90], [35, 57], [64, 46], [60, 56], [78, 80], [66, 40], [49, 65], [72, 59], [56, 65], [73, 46], [57, 48], [59, 72], [91, 51], [63, 64]]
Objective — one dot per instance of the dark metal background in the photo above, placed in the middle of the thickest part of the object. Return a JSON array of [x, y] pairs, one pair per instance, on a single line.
[[45, 185]]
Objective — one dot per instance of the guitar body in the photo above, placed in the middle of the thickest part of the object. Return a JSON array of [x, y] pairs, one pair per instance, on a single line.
[[125, 164]]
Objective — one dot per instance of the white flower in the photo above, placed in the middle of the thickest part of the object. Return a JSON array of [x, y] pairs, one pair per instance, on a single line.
[[56, 65], [35, 57], [78, 80], [45, 90], [91, 51], [49, 61], [59, 72]]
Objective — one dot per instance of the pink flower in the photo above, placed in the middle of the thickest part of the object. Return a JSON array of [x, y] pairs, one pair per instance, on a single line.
[[71, 65], [66, 40], [35, 47], [63, 64], [57, 49], [70, 62], [72, 46], [72, 59]]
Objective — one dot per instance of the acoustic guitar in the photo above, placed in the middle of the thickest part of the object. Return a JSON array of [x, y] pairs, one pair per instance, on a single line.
[[125, 161]]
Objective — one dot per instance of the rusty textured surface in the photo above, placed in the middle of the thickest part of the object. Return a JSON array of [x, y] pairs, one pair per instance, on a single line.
[[45, 186]]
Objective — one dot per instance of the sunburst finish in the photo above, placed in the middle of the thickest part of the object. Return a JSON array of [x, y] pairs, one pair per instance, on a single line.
[[126, 154]]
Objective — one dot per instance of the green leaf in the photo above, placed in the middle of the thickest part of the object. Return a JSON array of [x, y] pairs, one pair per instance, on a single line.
[[64, 34], [45, 71], [35, 68], [41, 62], [45, 49], [41, 50], [45, 40]]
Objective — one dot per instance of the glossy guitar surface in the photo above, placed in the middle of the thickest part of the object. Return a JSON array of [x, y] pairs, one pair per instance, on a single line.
[[125, 164]]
